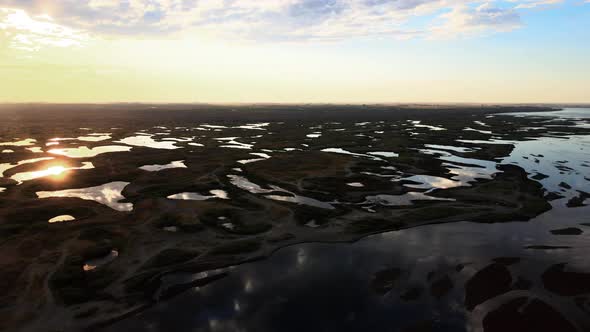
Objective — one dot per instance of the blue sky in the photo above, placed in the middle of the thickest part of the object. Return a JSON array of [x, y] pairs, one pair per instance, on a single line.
[[296, 50]]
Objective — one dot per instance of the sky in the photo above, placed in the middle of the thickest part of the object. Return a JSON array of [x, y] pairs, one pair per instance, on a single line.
[[295, 51]]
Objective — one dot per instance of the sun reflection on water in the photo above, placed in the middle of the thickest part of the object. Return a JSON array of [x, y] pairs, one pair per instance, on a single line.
[[56, 172]]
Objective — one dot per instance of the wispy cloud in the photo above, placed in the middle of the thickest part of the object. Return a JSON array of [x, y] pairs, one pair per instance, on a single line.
[[527, 4], [468, 20], [31, 33], [261, 20]]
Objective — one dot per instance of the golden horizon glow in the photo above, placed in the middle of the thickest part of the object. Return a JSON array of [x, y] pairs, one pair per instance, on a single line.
[[48, 57]]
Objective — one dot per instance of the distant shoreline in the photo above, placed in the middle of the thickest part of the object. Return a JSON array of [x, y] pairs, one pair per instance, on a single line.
[[84, 115], [198, 105]]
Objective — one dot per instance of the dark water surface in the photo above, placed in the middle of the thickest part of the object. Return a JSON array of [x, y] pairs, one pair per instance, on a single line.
[[328, 287]]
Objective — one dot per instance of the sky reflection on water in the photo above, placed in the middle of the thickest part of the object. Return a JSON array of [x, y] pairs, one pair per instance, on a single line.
[[327, 287], [85, 152], [108, 194]]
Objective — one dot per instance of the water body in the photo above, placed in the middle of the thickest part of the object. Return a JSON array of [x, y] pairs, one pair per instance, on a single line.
[[232, 143], [85, 152], [561, 159], [108, 194], [61, 218], [157, 168], [401, 200], [331, 287], [51, 171], [24, 142], [302, 200], [6, 166], [342, 151], [149, 142], [432, 182], [95, 137], [418, 279], [188, 196]]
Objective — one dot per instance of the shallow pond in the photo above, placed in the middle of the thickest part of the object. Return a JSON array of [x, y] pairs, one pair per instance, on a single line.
[[108, 194]]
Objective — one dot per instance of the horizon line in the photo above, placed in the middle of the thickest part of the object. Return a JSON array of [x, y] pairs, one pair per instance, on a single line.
[[417, 103]]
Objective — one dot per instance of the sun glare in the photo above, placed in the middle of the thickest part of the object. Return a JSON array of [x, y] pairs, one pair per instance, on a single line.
[[55, 170], [57, 173]]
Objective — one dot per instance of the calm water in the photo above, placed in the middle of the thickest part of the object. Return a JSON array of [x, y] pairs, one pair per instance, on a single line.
[[327, 287]]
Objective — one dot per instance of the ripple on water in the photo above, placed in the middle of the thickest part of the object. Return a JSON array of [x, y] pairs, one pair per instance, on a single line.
[[108, 194]]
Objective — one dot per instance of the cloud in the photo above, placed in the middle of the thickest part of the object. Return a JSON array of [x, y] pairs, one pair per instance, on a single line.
[[278, 20], [31, 33], [466, 20], [527, 4]]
